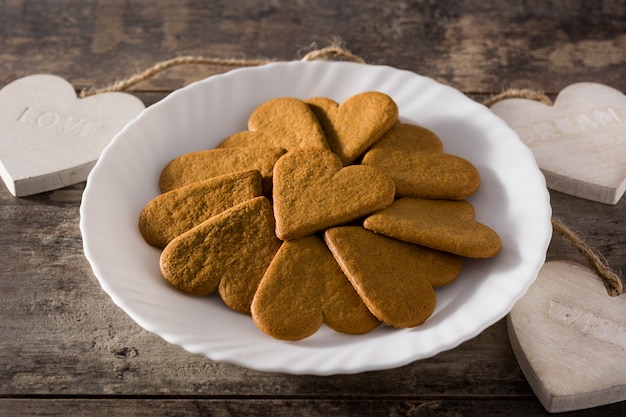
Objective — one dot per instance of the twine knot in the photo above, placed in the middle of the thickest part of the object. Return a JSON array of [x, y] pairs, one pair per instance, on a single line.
[[332, 53]]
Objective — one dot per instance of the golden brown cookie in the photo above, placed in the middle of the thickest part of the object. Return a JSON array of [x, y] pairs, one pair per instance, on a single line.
[[170, 214], [284, 122], [210, 163], [304, 287], [408, 138], [313, 191], [392, 277], [426, 174], [230, 251], [325, 111], [445, 225], [357, 123], [243, 139]]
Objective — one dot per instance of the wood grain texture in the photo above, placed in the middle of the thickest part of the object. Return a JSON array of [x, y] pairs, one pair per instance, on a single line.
[[67, 349], [297, 407], [476, 46]]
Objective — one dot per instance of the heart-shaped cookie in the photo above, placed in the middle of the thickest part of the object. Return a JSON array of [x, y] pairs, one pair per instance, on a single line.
[[230, 251], [392, 277], [171, 214], [357, 123], [243, 139], [426, 174], [284, 122], [49, 138], [579, 142], [304, 287], [409, 138], [569, 338], [210, 163], [446, 225], [313, 191]]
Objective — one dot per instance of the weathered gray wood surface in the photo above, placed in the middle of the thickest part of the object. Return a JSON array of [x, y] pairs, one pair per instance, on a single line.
[[66, 349]]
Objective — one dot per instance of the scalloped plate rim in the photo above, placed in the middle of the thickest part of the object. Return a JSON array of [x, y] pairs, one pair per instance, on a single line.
[[359, 352]]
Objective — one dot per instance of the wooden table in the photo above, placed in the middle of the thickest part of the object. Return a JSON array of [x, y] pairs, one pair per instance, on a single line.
[[66, 349]]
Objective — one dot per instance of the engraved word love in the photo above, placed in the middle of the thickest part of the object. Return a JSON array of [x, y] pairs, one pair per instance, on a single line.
[[67, 124]]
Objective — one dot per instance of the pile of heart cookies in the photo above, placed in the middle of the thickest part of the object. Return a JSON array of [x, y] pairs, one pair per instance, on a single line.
[[319, 213]]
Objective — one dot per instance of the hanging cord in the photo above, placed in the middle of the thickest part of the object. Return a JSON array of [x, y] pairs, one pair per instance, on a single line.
[[612, 281], [329, 53], [126, 83]]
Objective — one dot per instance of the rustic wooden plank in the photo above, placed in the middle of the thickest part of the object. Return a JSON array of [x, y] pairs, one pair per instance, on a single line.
[[78, 342], [66, 337], [477, 46], [354, 406]]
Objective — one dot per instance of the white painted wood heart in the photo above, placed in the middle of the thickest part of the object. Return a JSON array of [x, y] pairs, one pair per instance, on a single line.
[[579, 142], [569, 338], [49, 138]]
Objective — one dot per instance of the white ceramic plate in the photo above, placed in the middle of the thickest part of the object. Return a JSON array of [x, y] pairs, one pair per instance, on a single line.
[[513, 200]]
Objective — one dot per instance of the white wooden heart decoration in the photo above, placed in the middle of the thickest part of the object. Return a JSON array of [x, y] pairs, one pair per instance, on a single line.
[[579, 142], [569, 338], [49, 138]]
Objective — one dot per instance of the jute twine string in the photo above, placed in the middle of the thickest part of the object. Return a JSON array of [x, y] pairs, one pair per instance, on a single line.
[[335, 52], [518, 93], [329, 53], [612, 281]]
